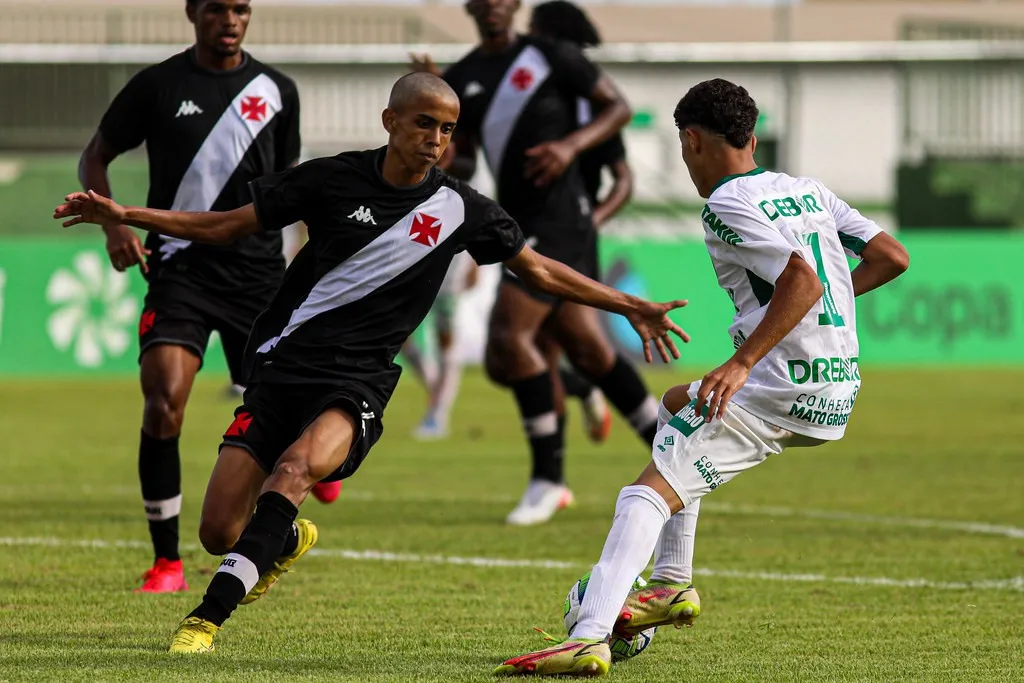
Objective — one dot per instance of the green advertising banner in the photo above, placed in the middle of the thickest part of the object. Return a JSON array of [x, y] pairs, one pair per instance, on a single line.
[[64, 310]]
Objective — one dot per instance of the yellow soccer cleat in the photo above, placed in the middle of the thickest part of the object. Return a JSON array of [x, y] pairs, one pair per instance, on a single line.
[[194, 636], [571, 658], [307, 539], [658, 604]]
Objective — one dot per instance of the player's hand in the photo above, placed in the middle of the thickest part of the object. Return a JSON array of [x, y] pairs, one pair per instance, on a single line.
[[423, 64], [718, 387], [651, 322], [125, 248], [547, 161]]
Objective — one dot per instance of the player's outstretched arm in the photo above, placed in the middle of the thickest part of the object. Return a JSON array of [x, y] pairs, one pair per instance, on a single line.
[[797, 289], [882, 260], [211, 227], [650, 320]]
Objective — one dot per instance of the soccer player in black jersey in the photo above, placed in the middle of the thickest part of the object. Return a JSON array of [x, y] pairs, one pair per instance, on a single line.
[[384, 227], [212, 118], [562, 20], [519, 101]]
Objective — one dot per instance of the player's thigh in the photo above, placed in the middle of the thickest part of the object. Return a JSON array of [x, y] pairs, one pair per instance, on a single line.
[[579, 332], [696, 457], [167, 373], [320, 451], [230, 498], [512, 351]]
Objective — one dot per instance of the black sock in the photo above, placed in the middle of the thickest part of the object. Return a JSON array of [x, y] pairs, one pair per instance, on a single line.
[[626, 391], [575, 384], [254, 553], [291, 542], [537, 408], [160, 476]]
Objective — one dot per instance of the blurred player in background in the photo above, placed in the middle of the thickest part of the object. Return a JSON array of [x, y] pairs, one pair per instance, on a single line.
[[561, 20], [442, 378], [321, 357], [212, 118], [779, 245], [519, 103]]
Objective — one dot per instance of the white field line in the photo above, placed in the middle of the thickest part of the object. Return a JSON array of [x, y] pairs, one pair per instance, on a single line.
[[1014, 584], [972, 528]]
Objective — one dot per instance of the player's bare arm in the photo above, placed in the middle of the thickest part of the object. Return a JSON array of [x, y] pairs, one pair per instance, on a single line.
[[210, 227], [883, 260], [548, 161], [650, 320], [796, 291], [461, 163], [621, 192], [123, 246]]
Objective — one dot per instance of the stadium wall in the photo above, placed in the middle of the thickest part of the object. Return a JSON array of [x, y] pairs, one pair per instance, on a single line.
[[64, 311]]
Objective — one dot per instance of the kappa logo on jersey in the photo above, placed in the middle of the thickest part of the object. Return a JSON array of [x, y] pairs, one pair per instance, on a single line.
[[146, 322], [425, 229], [188, 108], [473, 88], [363, 215], [522, 78], [254, 109], [240, 425]]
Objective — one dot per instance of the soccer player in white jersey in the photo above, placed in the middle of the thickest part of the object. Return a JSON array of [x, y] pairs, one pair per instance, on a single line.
[[779, 246], [441, 378]]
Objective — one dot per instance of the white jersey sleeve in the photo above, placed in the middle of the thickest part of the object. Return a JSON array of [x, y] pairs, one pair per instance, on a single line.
[[746, 238], [855, 231]]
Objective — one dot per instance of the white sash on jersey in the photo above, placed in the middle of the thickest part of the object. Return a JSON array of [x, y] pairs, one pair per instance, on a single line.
[[509, 102], [389, 255], [222, 151]]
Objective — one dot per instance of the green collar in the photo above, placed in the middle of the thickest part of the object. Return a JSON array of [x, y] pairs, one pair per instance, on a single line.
[[723, 181]]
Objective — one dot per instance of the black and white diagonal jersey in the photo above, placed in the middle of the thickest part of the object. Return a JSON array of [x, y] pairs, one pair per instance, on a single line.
[[516, 100], [376, 257], [207, 134]]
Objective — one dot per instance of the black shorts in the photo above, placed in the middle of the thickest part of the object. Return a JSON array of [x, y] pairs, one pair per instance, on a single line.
[[575, 249], [273, 416], [182, 316]]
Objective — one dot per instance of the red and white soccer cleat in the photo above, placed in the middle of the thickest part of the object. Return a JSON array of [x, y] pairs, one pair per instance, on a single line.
[[166, 576]]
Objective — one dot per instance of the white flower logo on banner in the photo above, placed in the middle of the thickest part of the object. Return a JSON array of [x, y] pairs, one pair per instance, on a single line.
[[94, 310]]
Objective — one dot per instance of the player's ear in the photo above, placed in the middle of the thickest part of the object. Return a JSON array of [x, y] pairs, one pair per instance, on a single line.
[[753, 143], [387, 118]]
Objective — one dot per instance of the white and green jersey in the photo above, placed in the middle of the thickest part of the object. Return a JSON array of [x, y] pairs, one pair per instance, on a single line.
[[753, 224]]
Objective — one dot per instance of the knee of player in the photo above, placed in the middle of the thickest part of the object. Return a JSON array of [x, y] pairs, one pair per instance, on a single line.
[[676, 398], [216, 538], [496, 364], [293, 472], [591, 358], [163, 414]]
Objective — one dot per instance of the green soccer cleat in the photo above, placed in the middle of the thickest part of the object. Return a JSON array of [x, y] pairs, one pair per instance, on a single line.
[[585, 658], [658, 604], [307, 539]]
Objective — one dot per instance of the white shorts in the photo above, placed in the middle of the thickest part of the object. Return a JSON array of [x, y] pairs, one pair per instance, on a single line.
[[696, 458], [453, 285]]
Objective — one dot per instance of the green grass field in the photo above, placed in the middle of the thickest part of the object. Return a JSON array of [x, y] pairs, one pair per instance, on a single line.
[[896, 554]]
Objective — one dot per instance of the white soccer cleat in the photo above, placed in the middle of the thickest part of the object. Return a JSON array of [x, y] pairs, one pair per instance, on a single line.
[[540, 503]]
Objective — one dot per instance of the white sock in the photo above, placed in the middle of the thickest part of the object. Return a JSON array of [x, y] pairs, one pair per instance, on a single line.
[[447, 387], [673, 558], [640, 513]]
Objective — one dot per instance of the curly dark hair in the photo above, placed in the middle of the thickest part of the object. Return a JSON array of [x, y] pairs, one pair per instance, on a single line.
[[720, 107], [566, 21]]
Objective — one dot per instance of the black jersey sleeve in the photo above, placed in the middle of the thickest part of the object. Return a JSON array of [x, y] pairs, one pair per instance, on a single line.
[[124, 124], [573, 72], [292, 195], [493, 236], [288, 141]]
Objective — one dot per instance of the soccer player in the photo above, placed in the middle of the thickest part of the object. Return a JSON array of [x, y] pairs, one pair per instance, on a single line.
[[320, 358], [212, 118], [519, 99], [779, 245], [442, 379], [562, 20]]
